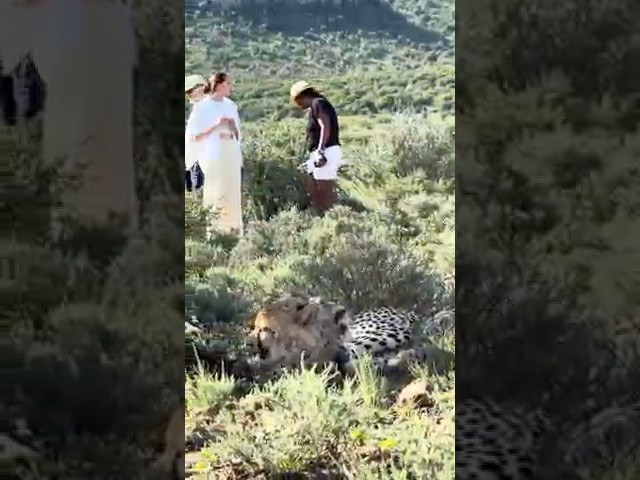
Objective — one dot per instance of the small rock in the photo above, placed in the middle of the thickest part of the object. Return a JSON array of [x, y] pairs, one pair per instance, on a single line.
[[417, 393]]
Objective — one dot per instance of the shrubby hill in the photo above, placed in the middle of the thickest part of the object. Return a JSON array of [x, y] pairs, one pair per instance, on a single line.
[[388, 68], [369, 56]]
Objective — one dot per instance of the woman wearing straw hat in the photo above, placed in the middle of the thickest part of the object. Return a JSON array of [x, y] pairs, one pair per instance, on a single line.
[[323, 145], [214, 125], [195, 88]]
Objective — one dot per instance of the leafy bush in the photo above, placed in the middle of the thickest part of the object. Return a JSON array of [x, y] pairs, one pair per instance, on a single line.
[[389, 242], [423, 148], [94, 359], [369, 57], [272, 181], [366, 274], [215, 300], [381, 255], [301, 424]]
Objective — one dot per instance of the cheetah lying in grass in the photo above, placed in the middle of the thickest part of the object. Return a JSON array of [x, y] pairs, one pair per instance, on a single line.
[[325, 332], [491, 442]]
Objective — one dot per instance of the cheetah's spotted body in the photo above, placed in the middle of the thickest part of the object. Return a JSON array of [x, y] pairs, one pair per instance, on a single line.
[[492, 443], [297, 323], [380, 332], [496, 443]]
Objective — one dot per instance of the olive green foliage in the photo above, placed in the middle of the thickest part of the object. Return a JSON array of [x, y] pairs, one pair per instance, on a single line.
[[547, 157], [369, 56], [89, 361], [302, 425], [388, 69], [395, 249]]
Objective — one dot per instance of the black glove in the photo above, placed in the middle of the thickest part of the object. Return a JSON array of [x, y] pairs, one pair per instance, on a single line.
[[321, 161]]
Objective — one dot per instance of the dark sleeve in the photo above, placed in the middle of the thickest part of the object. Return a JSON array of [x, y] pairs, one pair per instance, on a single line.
[[319, 108]]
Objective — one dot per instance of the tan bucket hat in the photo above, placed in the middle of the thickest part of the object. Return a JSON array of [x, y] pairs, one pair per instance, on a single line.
[[297, 88], [192, 81]]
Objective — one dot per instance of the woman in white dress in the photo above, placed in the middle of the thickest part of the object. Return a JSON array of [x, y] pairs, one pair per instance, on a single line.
[[214, 125]]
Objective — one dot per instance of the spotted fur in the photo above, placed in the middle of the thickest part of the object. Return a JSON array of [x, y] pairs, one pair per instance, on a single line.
[[381, 332], [326, 332], [497, 443]]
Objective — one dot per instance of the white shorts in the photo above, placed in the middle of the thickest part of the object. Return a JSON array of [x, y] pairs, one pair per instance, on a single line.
[[330, 170]]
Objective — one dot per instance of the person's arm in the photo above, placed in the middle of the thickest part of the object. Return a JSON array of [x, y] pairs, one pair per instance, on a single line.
[[197, 126], [234, 121], [324, 131], [323, 121], [199, 136], [235, 126]]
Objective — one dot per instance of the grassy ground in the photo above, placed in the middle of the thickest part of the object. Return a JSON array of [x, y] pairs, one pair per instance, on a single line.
[[387, 67], [391, 243], [301, 424]]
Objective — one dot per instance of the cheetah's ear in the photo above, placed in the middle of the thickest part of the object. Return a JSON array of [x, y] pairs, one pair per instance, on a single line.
[[308, 293], [339, 314], [297, 303], [307, 313]]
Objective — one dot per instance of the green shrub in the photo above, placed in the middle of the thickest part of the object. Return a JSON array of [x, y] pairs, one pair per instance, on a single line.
[[411, 146], [272, 181], [390, 242], [94, 359], [201, 256], [284, 234], [366, 274], [423, 148], [216, 300], [301, 424]]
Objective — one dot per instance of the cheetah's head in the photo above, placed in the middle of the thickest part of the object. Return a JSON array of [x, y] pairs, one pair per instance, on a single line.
[[299, 323]]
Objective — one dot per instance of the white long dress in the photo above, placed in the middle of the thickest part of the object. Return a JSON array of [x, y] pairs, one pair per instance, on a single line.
[[221, 161]]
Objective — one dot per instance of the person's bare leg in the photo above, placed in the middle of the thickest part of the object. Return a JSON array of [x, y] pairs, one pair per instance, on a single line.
[[312, 191], [331, 194], [325, 194], [321, 194]]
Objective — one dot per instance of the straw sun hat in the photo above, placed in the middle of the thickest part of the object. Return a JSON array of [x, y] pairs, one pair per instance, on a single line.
[[297, 88], [192, 81]]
